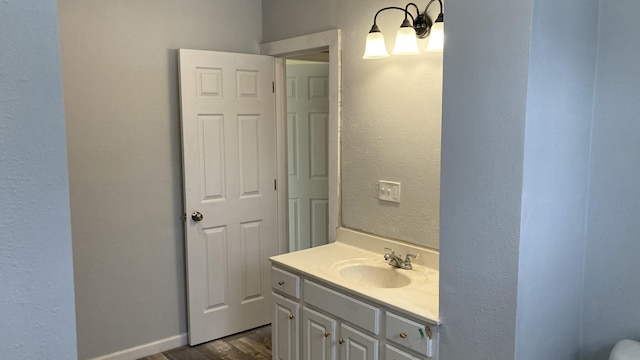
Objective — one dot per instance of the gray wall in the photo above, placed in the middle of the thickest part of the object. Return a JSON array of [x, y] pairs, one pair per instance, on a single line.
[[554, 194], [121, 104], [391, 116], [577, 285], [36, 276], [612, 289], [484, 110]]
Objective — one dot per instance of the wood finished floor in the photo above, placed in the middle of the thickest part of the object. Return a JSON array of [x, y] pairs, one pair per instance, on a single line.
[[249, 345]]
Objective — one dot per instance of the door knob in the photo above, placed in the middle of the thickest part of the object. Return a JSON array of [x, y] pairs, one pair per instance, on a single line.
[[197, 216]]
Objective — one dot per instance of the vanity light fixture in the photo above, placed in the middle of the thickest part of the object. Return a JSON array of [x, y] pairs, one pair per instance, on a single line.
[[420, 26]]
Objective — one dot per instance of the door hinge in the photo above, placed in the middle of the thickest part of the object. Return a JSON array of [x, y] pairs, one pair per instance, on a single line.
[[273, 87], [275, 184]]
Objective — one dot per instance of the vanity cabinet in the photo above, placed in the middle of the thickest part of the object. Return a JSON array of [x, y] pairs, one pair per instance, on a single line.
[[336, 325]]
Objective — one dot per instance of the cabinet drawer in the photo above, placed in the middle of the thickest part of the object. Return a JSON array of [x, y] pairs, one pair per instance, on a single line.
[[285, 282], [392, 353], [342, 306], [406, 332]]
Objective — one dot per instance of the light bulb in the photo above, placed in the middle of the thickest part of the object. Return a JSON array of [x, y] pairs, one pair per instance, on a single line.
[[375, 47], [436, 39], [406, 42]]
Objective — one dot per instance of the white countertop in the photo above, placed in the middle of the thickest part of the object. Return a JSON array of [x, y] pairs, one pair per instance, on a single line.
[[420, 298]]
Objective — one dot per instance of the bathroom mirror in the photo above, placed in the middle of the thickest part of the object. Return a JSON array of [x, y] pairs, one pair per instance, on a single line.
[[385, 123], [391, 126]]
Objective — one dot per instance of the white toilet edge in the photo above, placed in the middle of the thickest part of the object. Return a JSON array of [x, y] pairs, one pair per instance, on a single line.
[[625, 350]]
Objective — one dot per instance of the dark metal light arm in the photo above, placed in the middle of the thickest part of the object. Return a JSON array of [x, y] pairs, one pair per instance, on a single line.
[[421, 23], [440, 15], [375, 18]]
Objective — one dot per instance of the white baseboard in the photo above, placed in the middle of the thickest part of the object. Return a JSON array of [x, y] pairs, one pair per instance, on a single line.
[[147, 349]]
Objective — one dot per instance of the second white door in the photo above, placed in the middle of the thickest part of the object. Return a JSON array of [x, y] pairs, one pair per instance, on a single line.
[[307, 133], [229, 167]]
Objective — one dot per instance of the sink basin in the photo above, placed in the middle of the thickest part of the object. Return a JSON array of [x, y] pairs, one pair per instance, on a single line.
[[374, 276]]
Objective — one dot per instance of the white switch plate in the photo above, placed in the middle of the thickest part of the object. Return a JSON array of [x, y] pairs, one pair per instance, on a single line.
[[389, 191]]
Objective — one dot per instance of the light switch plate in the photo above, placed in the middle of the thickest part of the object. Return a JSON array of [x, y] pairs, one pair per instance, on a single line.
[[389, 191]]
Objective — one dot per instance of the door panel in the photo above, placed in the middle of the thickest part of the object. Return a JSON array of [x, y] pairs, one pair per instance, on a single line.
[[216, 267], [212, 152], [319, 221], [229, 167]]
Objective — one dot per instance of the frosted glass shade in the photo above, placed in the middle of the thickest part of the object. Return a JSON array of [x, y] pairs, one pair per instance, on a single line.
[[406, 42], [375, 47], [436, 39]]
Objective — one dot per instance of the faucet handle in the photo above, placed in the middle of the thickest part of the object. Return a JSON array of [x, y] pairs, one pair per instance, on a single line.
[[388, 256], [407, 262]]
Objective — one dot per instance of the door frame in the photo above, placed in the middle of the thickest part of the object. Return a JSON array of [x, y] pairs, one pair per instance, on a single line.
[[280, 50]]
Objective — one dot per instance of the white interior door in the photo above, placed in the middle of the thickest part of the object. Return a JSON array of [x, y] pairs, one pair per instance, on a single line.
[[229, 167], [307, 135]]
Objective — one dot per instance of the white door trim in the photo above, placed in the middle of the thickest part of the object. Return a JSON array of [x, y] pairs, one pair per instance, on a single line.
[[281, 49]]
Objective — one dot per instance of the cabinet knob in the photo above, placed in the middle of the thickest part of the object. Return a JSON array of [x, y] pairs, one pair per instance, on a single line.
[[341, 341], [291, 316], [280, 282], [327, 334], [403, 335]]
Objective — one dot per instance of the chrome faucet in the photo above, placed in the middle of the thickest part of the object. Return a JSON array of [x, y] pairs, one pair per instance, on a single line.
[[396, 260]]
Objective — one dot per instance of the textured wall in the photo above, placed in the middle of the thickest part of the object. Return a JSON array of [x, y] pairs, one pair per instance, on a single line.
[[612, 289], [36, 279], [554, 195], [391, 117], [123, 126], [484, 109]]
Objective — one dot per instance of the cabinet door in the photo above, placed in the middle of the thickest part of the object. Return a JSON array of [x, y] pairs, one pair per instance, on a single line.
[[318, 336], [285, 340], [392, 353], [354, 345]]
